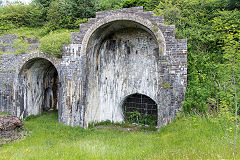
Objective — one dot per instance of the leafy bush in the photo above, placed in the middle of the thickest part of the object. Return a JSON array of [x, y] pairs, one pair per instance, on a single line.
[[148, 5], [30, 117], [206, 24], [108, 4], [52, 43], [22, 15], [141, 119], [65, 13]]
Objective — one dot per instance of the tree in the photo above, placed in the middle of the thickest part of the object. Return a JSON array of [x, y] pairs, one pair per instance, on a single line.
[[53, 15], [234, 4], [108, 4], [134, 3], [227, 27], [44, 3], [232, 55]]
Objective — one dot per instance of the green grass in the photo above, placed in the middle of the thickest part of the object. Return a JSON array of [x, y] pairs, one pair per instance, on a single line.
[[27, 32], [7, 53], [186, 138], [2, 113], [35, 32]]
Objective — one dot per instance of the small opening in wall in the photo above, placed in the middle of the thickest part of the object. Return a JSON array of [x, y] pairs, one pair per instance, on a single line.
[[128, 50], [140, 109]]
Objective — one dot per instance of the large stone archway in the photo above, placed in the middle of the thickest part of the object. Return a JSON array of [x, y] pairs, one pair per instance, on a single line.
[[122, 52], [122, 58]]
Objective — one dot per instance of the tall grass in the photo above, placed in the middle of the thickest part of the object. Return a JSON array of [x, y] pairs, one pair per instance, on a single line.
[[188, 137]]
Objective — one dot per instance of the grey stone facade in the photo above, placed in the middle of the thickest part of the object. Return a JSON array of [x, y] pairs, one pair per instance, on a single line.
[[7, 40], [117, 54]]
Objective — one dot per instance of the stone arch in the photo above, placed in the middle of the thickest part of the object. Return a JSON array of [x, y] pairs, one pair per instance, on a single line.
[[148, 26], [118, 54], [30, 56], [36, 85]]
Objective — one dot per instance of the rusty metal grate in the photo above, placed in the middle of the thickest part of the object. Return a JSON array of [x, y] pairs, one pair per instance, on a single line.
[[140, 109]]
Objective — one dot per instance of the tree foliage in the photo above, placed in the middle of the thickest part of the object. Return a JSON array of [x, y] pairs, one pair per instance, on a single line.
[[52, 43], [211, 27], [108, 4], [206, 25]]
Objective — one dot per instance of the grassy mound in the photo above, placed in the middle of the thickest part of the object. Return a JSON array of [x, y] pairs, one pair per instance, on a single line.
[[187, 138]]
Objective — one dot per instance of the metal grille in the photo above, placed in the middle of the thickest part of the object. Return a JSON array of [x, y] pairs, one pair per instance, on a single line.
[[140, 109]]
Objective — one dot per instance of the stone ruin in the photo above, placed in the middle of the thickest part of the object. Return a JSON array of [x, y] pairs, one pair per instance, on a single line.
[[7, 41], [10, 128], [119, 61]]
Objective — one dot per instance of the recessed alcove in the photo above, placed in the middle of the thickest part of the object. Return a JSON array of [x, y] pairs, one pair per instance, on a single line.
[[38, 87], [140, 109]]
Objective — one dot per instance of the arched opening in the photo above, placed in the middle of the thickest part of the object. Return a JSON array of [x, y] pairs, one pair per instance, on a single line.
[[111, 31], [37, 87], [140, 109], [121, 57]]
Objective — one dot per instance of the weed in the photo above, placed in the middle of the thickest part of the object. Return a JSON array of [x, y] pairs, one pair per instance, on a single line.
[[188, 137], [30, 117], [3, 113], [166, 85]]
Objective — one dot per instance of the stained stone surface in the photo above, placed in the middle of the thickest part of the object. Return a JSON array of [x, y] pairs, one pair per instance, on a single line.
[[117, 54], [8, 122], [10, 128]]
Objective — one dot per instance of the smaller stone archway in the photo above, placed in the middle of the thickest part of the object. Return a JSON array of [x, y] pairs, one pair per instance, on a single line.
[[140, 109], [37, 87]]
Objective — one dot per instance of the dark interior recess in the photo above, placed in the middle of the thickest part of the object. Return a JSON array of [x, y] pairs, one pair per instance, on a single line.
[[38, 86], [140, 109]]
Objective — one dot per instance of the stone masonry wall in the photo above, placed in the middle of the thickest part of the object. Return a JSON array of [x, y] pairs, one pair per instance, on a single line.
[[117, 54], [108, 83], [7, 40], [10, 67]]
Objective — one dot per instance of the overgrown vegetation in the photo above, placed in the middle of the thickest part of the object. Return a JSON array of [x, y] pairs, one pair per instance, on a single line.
[[53, 42], [2, 113], [212, 28], [140, 119], [125, 125], [188, 137], [206, 25]]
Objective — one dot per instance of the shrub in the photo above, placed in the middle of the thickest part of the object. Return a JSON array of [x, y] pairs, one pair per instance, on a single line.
[[52, 44], [30, 117]]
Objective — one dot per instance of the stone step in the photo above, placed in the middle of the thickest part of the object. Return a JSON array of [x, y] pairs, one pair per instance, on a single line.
[[92, 20], [133, 10], [84, 27]]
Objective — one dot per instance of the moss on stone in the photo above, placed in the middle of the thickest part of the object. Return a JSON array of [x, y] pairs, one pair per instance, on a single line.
[[155, 27], [166, 85]]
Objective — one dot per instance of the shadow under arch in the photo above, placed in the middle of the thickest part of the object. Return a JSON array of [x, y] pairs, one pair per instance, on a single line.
[[118, 53], [37, 87], [108, 25], [139, 108]]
